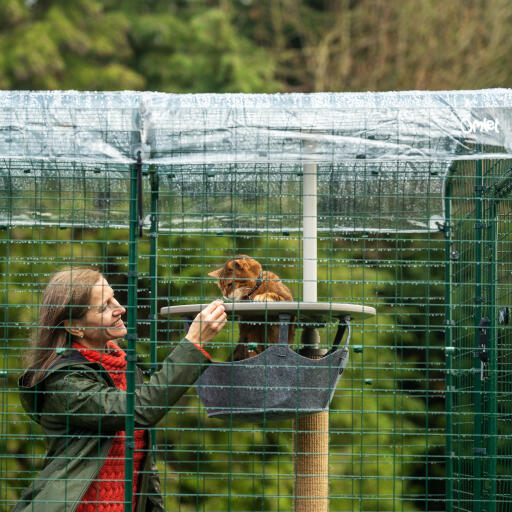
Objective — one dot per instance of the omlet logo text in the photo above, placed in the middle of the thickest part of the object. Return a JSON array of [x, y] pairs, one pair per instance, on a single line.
[[474, 125]]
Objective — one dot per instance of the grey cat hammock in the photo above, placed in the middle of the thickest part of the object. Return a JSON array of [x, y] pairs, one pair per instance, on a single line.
[[279, 383]]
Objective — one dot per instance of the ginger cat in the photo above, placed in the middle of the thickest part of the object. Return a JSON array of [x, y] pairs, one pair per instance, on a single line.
[[242, 278]]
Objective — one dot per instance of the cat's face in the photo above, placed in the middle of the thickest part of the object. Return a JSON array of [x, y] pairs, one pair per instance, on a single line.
[[237, 277]]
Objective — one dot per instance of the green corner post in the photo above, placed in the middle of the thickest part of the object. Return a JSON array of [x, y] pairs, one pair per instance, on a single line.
[[492, 349], [449, 349], [478, 384]]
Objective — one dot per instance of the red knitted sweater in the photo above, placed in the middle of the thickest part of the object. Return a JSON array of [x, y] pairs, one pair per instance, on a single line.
[[106, 492]]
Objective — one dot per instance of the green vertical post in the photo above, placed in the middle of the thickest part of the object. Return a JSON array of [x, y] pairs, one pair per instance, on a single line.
[[4, 347], [449, 349], [492, 351], [153, 271], [153, 261], [478, 447], [131, 337]]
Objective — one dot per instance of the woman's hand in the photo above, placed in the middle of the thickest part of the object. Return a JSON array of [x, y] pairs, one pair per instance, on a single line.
[[207, 323]]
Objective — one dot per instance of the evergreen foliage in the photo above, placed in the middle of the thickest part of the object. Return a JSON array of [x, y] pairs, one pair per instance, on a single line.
[[254, 46]]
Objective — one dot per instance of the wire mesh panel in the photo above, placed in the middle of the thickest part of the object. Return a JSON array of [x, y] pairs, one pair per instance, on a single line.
[[30, 256], [372, 440], [479, 462], [161, 192], [502, 357]]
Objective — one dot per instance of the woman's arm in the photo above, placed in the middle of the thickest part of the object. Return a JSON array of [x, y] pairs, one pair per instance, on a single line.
[[82, 398]]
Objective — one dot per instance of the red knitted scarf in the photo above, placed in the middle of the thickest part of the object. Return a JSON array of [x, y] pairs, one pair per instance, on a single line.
[[106, 492]]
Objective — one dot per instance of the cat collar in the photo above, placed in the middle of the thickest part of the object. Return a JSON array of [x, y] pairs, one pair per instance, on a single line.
[[257, 285]]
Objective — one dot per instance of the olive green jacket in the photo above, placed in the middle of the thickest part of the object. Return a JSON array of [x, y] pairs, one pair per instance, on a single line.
[[79, 409]]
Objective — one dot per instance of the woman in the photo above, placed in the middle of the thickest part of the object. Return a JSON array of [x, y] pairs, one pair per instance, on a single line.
[[74, 387]]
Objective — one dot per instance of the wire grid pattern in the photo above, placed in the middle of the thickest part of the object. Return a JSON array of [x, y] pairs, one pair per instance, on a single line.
[[409, 410], [480, 384], [386, 420], [351, 269]]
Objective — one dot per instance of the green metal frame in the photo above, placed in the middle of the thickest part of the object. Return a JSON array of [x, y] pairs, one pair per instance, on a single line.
[[131, 337], [449, 350], [153, 277], [386, 425]]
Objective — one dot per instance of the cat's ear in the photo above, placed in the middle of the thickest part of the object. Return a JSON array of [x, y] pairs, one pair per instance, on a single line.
[[242, 264], [216, 273]]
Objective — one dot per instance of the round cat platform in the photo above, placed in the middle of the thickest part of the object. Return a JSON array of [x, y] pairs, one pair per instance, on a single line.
[[278, 383], [307, 312]]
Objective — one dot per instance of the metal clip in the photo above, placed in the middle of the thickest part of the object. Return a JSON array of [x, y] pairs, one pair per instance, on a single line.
[[444, 227], [504, 316], [482, 345], [140, 205]]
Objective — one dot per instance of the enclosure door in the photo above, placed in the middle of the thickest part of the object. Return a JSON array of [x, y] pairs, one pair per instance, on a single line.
[[500, 389], [479, 368]]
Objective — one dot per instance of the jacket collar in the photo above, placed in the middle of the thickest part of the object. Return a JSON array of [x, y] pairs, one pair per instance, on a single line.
[[31, 396]]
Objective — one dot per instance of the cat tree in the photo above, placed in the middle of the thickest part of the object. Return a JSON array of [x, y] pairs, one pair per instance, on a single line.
[[311, 440]]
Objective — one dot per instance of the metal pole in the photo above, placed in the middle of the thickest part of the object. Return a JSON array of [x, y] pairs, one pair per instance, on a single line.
[[153, 270], [131, 337], [492, 415], [309, 220], [312, 432], [479, 451], [449, 348]]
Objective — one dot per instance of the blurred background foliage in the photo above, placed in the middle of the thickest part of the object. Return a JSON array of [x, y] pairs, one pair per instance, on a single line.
[[255, 46]]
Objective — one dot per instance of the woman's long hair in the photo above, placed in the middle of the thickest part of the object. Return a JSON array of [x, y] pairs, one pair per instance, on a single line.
[[66, 297]]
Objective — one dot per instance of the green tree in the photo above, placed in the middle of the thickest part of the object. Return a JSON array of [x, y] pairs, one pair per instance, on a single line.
[[347, 45], [94, 45]]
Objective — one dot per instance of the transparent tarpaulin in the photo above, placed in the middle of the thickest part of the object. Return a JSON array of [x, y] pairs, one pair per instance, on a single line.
[[382, 158]]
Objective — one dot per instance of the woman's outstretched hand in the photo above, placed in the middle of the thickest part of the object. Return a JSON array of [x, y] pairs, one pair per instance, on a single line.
[[207, 323]]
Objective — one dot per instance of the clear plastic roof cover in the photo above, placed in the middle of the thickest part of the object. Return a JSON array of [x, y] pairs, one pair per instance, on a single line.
[[381, 158]]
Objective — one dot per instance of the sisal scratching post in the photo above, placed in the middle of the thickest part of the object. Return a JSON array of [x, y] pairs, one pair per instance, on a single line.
[[311, 447], [312, 463]]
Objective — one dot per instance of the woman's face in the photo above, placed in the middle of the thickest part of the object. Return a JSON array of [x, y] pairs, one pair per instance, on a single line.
[[102, 321]]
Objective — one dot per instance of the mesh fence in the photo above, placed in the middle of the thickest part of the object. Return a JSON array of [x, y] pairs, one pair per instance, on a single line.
[[410, 201], [480, 360]]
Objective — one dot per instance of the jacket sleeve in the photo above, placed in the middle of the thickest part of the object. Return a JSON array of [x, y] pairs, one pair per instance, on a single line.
[[79, 398]]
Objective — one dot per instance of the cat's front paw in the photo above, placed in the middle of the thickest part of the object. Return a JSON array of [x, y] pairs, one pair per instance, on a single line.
[[264, 297]]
